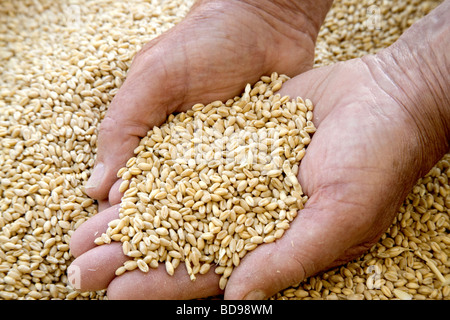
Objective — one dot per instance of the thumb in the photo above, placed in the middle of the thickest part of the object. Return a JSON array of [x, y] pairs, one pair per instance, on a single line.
[[132, 113], [313, 243]]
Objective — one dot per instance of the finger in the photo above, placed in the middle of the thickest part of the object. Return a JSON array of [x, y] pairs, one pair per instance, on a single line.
[[316, 238], [157, 284], [103, 205], [95, 269], [95, 266], [119, 135], [115, 196], [83, 238]]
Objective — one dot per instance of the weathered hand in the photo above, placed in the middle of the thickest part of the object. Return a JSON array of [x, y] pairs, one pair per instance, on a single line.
[[211, 55], [363, 160], [382, 122]]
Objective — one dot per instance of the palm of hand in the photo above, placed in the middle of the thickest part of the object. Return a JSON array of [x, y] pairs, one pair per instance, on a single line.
[[364, 140]]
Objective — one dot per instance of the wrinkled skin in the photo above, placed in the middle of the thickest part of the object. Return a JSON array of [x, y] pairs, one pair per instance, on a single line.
[[369, 149]]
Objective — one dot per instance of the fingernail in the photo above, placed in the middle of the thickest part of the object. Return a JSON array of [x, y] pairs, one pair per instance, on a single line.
[[96, 176], [255, 295]]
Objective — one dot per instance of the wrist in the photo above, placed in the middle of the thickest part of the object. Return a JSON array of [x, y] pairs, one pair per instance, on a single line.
[[284, 32], [425, 48], [414, 72], [306, 16]]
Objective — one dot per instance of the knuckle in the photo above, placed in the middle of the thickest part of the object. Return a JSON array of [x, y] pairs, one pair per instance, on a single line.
[[108, 126]]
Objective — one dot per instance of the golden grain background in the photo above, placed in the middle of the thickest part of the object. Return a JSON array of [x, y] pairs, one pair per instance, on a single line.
[[61, 64]]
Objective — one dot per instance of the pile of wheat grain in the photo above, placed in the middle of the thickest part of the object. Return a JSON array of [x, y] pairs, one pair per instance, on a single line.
[[213, 183], [62, 62]]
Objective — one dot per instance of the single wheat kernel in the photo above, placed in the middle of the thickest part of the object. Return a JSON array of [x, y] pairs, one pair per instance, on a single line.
[[402, 295]]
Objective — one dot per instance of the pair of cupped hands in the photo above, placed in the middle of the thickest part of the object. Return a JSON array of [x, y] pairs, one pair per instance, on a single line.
[[376, 135]]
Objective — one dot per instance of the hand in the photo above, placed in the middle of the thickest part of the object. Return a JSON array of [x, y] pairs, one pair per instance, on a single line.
[[362, 162], [372, 143], [217, 49], [211, 55], [382, 122], [360, 165]]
